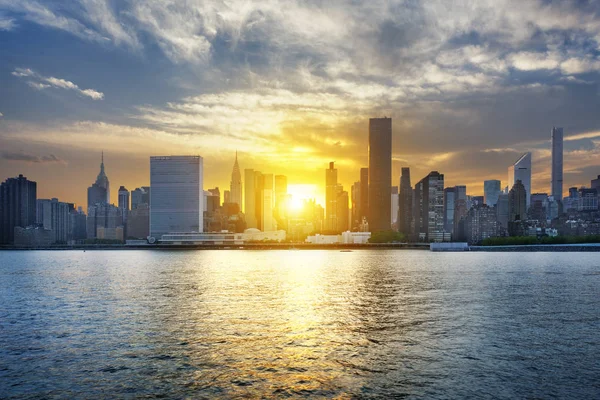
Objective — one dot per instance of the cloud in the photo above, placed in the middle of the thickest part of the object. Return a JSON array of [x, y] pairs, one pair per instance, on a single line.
[[6, 24], [54, 82], [1, 115], [31, 158]]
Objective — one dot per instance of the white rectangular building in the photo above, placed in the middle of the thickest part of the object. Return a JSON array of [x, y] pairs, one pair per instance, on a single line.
[[176, 195]]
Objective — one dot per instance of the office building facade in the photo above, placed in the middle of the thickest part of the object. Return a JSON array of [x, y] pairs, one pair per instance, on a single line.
[[17, 206], [405, 203], [380, 173], [556, 184], [176, 195], [491, 191]]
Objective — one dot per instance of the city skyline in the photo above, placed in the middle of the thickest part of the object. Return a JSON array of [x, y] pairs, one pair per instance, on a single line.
[[292, 87]]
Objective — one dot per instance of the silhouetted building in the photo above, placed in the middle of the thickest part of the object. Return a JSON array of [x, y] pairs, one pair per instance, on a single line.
[[331, 195], [491, 191], [105, 216], [17, 206], [140, 196], [431, 207], [250, 198], [556, 184], [502, 214], [380, 173], [99, 192], [235, 186], [480, 223], [405, 206], [355, 200], [342, 212], [517, 208], [77, 224], [55, 216], [226, 196], [124, 205], [138, 223], [595, 184], [461, 207], [449, 204], [176, 195], [521, 171]]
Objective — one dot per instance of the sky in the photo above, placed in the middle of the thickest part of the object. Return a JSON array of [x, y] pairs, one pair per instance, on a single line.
[[291, 85]]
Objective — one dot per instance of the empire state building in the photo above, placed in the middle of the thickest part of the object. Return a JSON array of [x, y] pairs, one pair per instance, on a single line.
[[99, 192], [235, 186]]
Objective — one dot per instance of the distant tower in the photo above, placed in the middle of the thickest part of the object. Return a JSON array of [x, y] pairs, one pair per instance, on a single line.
[[517, 199], [491, 191], [331, 188], [235, 188], [521, 171], [124, 202], [405, 203], [250, 198], [557, 163], [380, 173], [99, 192]]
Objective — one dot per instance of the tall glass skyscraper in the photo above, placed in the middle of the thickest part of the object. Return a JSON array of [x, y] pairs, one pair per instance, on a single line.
[[17, 206], [176, 195], [491, 191], [556, 189], [405, 206], [380, 173], [521, 171]]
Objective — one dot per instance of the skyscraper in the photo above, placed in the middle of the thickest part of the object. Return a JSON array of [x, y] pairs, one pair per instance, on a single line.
[[124, 202], [331, 195], [140, 196], [521, 171], [99, 192], [395, 206], [250, 198], [355, 199], [460, 207], [431, 206], [405, 206], [235, 187], [54, 215], [517, 199], [380, 173], [17, 206], [449, 204], [176, 195], [491, 191], [557, 163], [342, 212], [267, 203]]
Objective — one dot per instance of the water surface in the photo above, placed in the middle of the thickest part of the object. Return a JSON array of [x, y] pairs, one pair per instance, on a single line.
[[368, 323]]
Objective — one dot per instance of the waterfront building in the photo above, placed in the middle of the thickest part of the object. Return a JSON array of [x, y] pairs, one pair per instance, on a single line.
[[138, 222], [480, 223], [140, 196], [77, 224], [405, 200], [395, 206], [491, 191], [449, 205], [521, 171], [461, 207], [235, 186], [55, 216], [33, 236], [380, 173], [17, 206], [364, 194], [250, 198], [176, 195], [342, 212], [102, 215], [556, 184], [250, 235], [431, 207]]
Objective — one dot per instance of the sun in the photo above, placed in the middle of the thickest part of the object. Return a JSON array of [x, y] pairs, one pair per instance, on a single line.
[[295, 203]]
